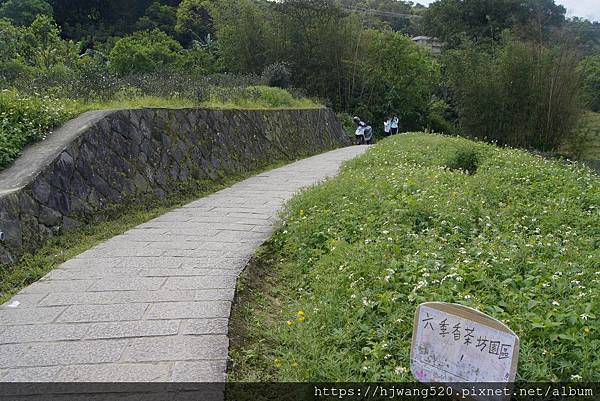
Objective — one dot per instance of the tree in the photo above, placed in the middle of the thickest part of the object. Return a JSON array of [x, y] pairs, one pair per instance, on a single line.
[[198, 60], [584, 34], [24, 12], [158, 16], [144, 52], [403, 86], [589, 68], [241, 35], [43, 48], [526, 95], [194, 22], [10, 41], [314, 38], [484, 20]]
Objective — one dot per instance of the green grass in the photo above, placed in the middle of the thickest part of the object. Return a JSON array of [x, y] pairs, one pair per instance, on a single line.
[[261, 97], [32, 267], [28, 119], [333, 294]]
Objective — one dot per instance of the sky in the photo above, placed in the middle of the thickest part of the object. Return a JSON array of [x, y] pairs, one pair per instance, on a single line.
[[589, 9]]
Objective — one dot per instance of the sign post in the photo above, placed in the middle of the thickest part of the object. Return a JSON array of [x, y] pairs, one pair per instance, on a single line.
[[453, 343]]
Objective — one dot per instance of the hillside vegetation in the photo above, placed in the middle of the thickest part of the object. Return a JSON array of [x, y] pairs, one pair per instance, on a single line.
[[426, 218]]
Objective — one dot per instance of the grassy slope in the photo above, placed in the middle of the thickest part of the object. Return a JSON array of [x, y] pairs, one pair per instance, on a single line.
[[339, 282]]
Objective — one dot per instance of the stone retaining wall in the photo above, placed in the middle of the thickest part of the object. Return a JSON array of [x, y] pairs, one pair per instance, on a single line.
[[113, 158]]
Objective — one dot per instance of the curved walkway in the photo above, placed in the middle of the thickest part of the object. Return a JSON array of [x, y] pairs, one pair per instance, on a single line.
[[152, 304]]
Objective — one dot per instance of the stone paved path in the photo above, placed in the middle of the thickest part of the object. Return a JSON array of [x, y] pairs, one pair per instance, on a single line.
[[152, 304]]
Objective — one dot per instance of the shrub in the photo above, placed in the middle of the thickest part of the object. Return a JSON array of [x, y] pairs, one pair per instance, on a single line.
[[437, 123], [197, 61], [464, 159], [348, 124], [277, 75], [145, 52], [12, 70]]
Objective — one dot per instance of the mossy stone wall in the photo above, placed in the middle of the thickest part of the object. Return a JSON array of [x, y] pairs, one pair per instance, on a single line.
[[114, 158]]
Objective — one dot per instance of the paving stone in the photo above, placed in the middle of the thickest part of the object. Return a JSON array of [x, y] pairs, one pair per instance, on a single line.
[[199, 282], [23, 301], [200, 372], [90, 263], [223, 263], [204, 326], [196, 253], [43, 332], [102, 313], [184, 272], [60, 353], [18, 316], [92, 272], [176, 348], [29, 375], [117, 372], [149, 262], [188, 310], [45, 287], [176, 245], [120, 297], [141, 328], [128, 284], [224, 294], [111, 252]]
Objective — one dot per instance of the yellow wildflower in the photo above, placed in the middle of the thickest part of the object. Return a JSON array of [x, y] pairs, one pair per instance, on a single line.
[[278, 363]]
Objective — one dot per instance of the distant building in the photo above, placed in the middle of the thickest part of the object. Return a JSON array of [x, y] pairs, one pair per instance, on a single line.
[[432, 44]]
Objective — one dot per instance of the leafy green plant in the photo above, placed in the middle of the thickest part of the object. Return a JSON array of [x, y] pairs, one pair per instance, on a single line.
[[465, 159]]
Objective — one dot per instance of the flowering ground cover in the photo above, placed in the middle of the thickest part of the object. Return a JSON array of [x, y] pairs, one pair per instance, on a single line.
[[425, 218]]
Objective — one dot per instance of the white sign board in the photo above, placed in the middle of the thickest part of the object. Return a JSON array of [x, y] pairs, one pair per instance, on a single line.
[[453, 343]]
